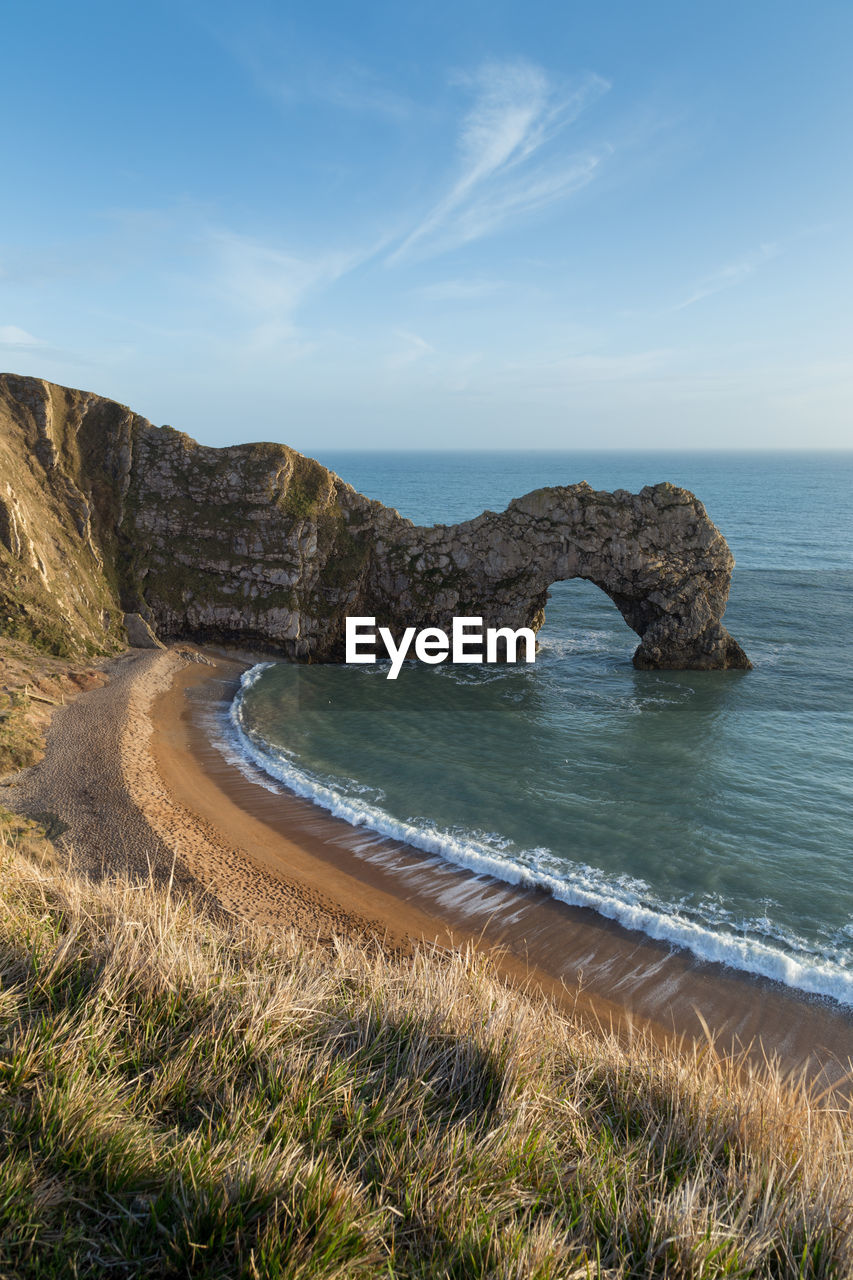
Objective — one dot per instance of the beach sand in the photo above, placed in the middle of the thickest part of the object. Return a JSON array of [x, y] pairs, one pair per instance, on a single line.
[[131, 770]]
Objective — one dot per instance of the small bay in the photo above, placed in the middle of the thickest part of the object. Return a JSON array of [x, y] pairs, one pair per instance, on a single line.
[[712, 809]]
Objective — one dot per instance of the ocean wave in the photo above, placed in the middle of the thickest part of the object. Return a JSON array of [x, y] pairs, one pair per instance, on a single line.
[[618, 899], [253, 675]]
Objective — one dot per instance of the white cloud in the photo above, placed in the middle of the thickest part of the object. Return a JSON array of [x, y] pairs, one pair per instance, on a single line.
[[517, 112], [729, 276], [264, 288], [268, 280], [12, 336]]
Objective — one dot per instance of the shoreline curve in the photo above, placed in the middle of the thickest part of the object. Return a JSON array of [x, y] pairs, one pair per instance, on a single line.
[[153, 789]]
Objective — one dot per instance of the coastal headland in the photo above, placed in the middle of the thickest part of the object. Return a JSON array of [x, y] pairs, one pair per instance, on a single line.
[[111, 527]]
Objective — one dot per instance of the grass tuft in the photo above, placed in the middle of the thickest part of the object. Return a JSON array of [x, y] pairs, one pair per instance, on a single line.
[[182, 1096]]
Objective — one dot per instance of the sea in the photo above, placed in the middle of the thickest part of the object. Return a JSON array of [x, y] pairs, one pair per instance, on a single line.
[[712, 810]]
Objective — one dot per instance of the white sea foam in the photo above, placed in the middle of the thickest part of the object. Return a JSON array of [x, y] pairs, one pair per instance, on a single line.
[[618, 899]]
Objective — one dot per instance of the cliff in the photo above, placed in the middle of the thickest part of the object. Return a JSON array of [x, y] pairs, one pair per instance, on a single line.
[[103, 514]]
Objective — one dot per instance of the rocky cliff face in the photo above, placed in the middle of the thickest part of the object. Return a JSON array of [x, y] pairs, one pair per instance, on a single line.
[[101, 514]]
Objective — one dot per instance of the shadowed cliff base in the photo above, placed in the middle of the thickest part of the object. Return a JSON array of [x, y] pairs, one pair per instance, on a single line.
[[103, 514]]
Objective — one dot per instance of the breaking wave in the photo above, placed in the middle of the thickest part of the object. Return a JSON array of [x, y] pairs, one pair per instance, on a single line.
[[783, 958]]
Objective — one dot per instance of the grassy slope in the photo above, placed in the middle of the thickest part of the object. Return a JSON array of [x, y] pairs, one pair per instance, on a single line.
[[180, 1096]]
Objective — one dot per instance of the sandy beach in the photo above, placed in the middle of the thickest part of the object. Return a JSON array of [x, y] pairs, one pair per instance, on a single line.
[[131, 772]]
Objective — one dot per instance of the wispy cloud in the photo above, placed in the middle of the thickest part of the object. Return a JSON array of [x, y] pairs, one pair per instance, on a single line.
[[285, 70], [729, 276], [458, 290], [503, 173], [267, 285], [266, 279], [30, 352], [356, 88], [413, 348], [12, 336], [352, 89]]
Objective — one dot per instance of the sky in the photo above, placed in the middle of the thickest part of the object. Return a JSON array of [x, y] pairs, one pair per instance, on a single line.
[[479, 224]]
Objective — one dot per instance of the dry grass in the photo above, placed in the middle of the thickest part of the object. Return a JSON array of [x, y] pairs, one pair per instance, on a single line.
[[20, 739], [180, 1096]]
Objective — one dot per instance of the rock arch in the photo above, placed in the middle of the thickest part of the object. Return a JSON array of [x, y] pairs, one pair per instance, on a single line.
[[656, 554]]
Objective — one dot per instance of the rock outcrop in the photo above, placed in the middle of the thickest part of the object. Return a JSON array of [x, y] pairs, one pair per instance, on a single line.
[[139, 633], [103, 514]]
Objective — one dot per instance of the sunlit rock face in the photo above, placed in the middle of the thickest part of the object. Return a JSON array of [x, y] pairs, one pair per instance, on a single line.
[[666, 567], [103, 514]]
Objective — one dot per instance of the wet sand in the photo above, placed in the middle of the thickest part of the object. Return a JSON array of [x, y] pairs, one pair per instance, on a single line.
[[150, 786]]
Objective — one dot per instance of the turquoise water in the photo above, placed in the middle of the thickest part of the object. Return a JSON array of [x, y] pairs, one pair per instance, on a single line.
[[711, 809]]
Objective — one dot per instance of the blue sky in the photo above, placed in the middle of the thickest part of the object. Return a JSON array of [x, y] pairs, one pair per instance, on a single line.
[[431, 224]]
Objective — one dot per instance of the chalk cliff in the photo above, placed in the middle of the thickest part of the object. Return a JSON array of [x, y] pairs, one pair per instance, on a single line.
[[103, 514]]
